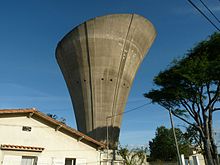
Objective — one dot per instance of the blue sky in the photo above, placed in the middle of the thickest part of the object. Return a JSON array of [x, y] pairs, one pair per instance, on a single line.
[[30, 76]]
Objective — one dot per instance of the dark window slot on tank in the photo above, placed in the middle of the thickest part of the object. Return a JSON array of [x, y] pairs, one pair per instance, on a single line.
[[110, 79], [84, 80], [102, 78]]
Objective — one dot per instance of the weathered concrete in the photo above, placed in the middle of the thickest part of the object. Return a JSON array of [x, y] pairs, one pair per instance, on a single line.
[[99, 59]]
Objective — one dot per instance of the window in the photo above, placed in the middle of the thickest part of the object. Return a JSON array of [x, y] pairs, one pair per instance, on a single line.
[[70, 161], [28, 160], [26, 128]]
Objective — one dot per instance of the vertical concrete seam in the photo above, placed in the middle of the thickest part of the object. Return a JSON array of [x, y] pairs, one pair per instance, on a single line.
[[66, 75], [120, 71], [90, 73]]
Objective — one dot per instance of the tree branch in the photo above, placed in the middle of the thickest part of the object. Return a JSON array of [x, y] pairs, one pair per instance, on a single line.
[[216, 96], [194, 101], [215, 109], [208, 91], [187, 107], [200, 99], [181, 118], [198, 112], [185, 102], [214, 99]]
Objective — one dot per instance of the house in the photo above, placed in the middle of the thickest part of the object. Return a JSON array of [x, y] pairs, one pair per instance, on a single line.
[[29, 137]]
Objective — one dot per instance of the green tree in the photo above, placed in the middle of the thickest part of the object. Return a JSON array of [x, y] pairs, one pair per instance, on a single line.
[[192, 135], [190, 88], [55, 117], [133, 156], [162, 147]]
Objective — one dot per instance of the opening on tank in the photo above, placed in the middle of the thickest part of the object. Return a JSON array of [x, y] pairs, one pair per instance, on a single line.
[[84, 80], [110, 79], [102, 78]]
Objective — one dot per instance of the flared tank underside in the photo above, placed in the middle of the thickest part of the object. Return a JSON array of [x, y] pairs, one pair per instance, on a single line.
[[99, 59]]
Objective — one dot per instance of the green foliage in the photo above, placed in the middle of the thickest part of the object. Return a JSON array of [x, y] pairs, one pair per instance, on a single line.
[[133, 156], [199, 68], [162, 146], [190, 88], [192, 135], [55, 117]]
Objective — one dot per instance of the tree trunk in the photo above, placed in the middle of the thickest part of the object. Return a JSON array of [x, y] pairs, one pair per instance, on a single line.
[[215, 154], [208, 154], [205, 159], [212, 141]]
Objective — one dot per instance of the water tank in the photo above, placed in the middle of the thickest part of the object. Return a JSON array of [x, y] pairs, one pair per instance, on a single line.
[[99, 60]]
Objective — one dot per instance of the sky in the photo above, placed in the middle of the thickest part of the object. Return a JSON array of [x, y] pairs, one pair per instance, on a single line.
[[30, 75]]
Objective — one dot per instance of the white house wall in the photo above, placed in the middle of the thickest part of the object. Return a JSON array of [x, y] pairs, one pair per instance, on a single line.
[[58, 145]]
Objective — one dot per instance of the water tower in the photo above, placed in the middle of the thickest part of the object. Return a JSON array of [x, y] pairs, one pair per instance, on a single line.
[[99, 60]]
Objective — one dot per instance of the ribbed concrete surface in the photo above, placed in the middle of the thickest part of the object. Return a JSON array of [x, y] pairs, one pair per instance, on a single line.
[[99, 59]]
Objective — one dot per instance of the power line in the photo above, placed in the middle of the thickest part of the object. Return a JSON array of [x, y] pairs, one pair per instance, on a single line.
[[131, 110], [201, 12], [137, 108], [210, 10]]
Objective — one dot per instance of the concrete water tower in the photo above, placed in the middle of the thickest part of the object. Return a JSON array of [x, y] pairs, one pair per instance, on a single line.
[[99, 60]]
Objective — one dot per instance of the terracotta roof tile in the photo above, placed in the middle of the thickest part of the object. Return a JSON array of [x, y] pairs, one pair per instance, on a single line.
[[21, 148], [34, 111]]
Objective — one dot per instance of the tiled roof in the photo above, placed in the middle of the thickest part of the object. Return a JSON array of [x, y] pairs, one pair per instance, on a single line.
[[21, 148], [32, 112]]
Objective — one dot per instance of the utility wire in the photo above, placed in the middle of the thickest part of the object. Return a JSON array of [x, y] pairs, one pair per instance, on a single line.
[[210, 10], [128, 111], [203, 14], [131, 110]]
